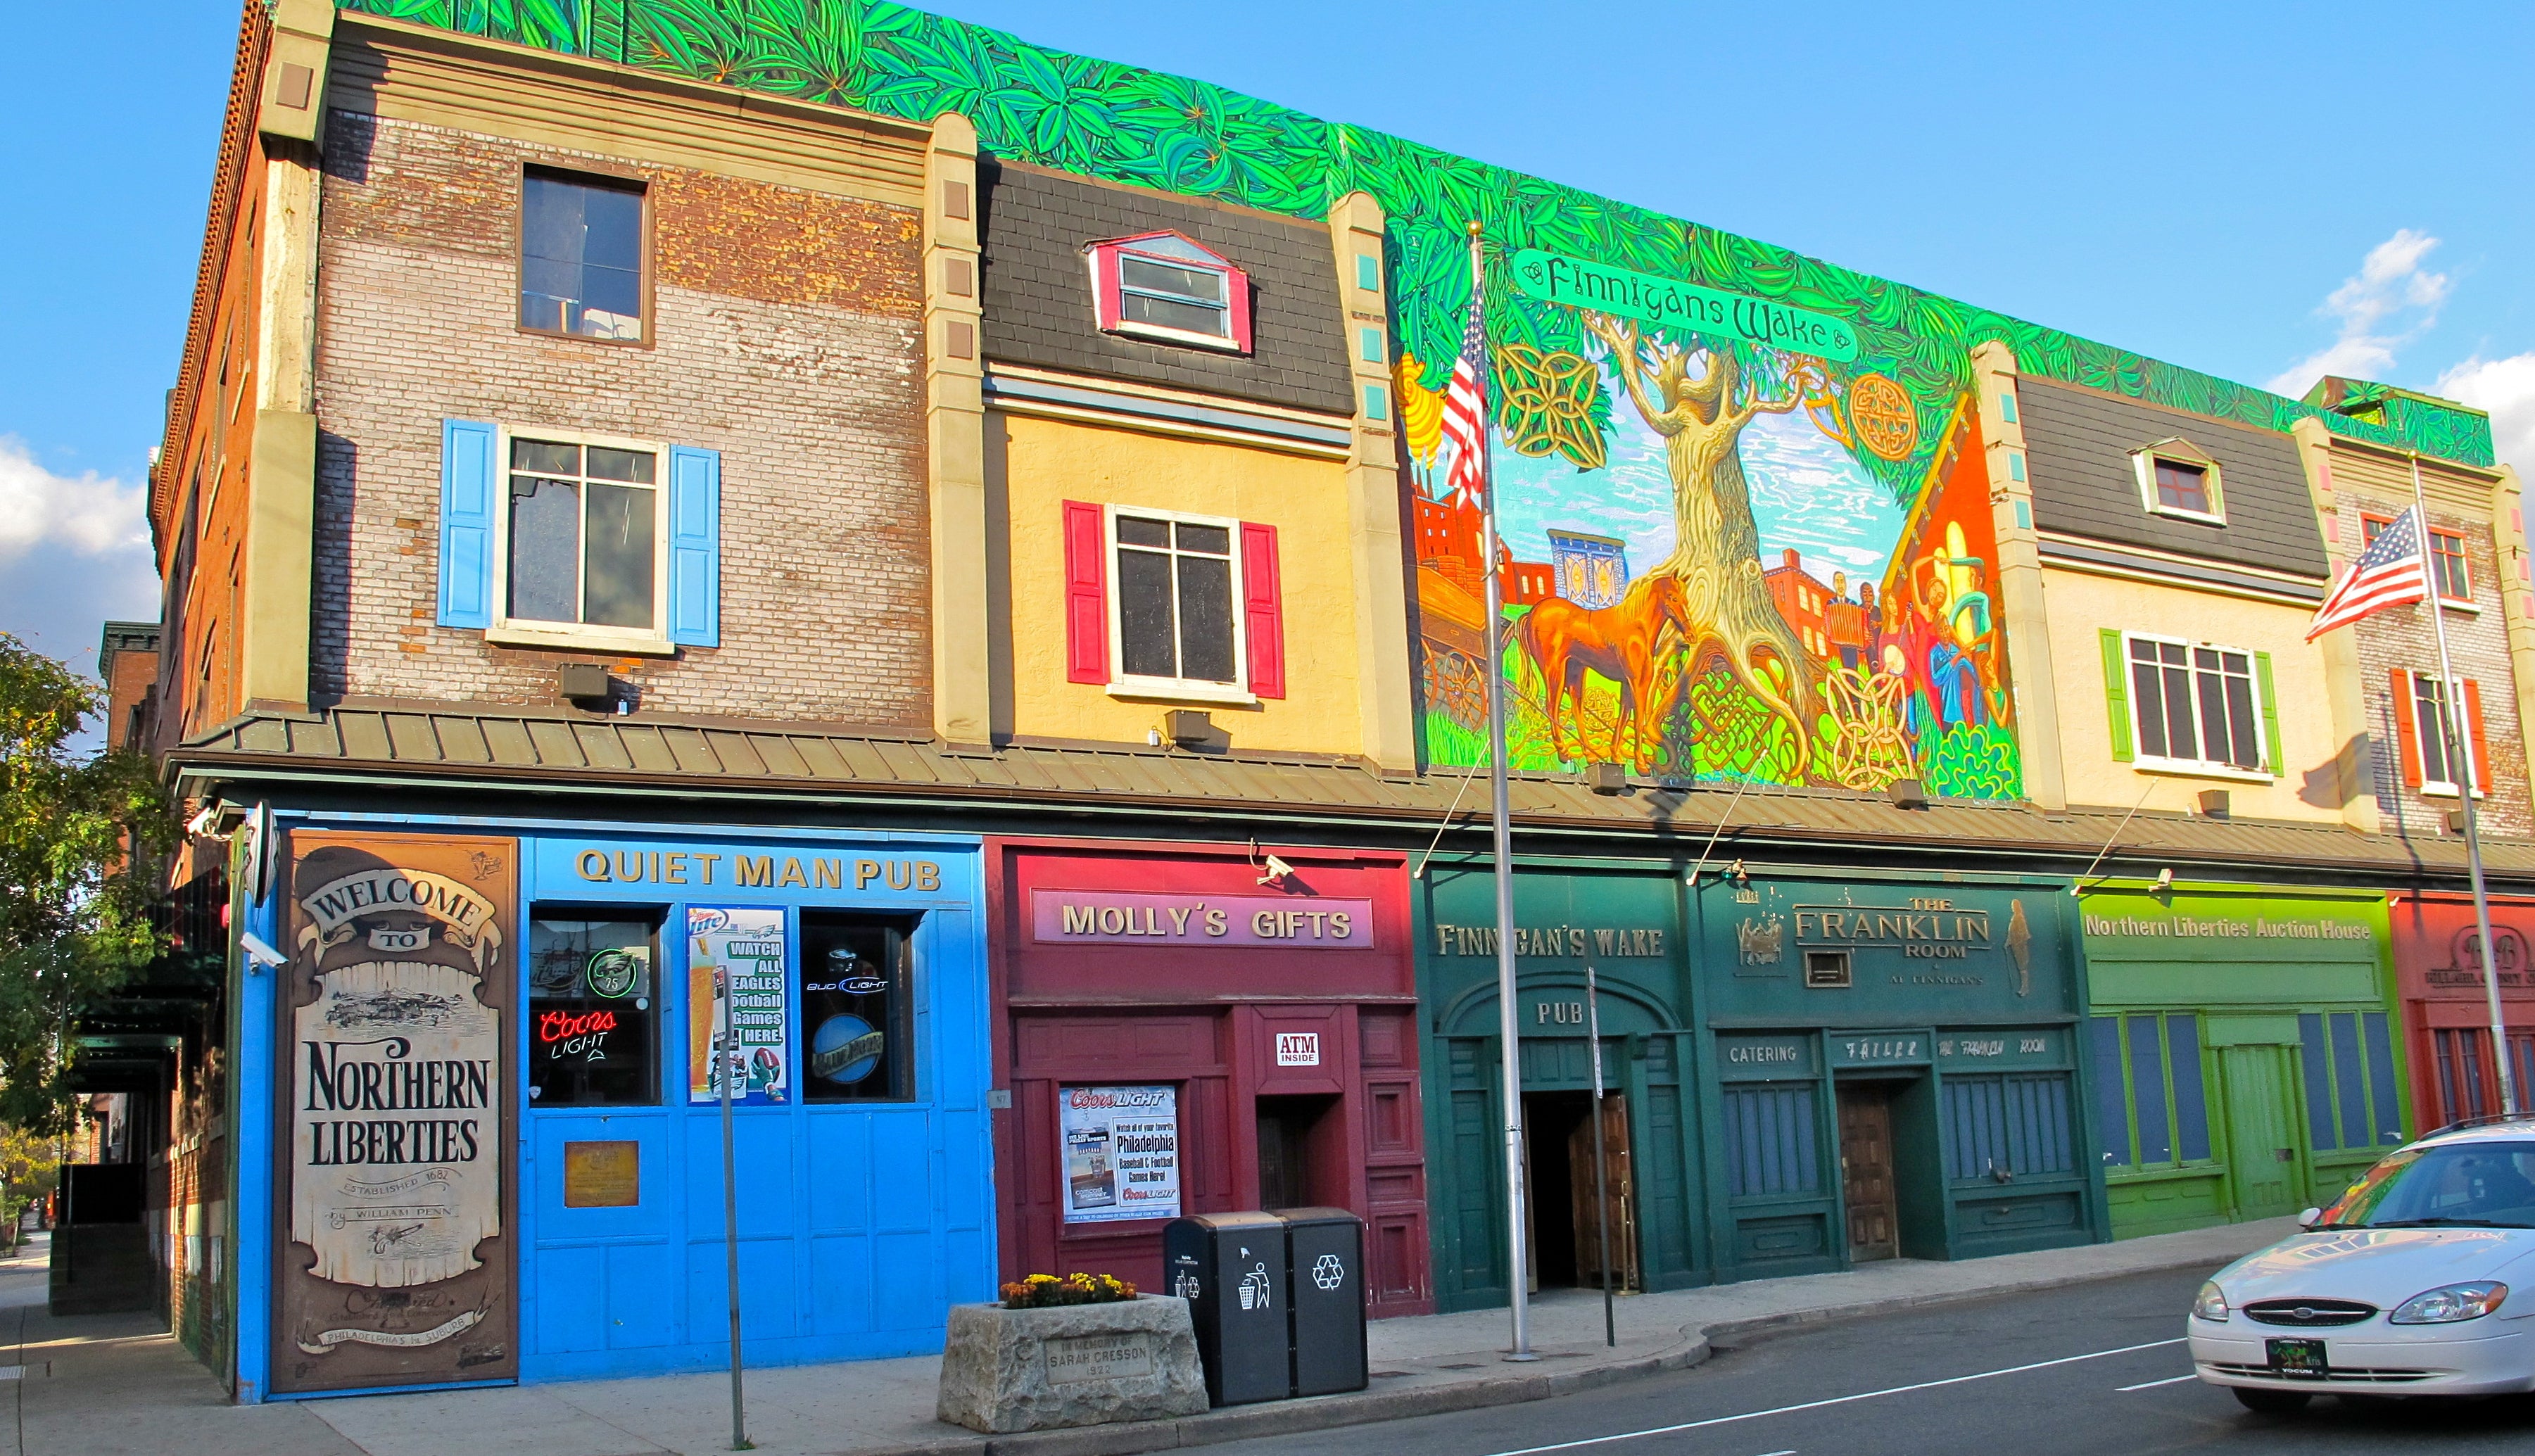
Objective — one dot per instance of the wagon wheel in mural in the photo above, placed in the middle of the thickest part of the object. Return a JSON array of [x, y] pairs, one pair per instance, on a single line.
[[1725, 602], [1455, 688]]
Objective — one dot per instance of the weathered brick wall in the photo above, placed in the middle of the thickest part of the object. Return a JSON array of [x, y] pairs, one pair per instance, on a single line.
[[2402, 637], [786, 334]]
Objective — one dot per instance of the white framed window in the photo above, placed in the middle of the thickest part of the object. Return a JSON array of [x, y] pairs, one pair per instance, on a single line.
[[2180, 479], [1175, 606], [2440, 753], [580, 549], [2199, 707], [1164, 287]]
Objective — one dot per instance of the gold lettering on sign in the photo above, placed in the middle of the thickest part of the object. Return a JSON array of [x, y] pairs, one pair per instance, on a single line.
[[697, 866], [1565, 940]]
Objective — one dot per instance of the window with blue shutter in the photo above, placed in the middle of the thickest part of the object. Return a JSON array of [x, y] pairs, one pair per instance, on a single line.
[[694, 546], [467, 478]]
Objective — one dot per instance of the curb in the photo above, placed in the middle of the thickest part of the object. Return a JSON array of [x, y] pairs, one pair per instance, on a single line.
[[1322, 1413]]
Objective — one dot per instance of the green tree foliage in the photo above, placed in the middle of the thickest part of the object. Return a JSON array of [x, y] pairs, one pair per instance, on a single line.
[[77, 837]]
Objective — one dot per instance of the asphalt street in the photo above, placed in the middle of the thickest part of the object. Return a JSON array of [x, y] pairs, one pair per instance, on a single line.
[[2096, 1368]]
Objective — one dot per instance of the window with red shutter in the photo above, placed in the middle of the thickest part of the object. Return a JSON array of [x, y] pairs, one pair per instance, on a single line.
[[1087, 593], [2479, 744], [1262, 614], [2407, 736]]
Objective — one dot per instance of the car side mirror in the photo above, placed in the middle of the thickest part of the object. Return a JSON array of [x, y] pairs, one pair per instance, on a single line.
[[2308, 1219]]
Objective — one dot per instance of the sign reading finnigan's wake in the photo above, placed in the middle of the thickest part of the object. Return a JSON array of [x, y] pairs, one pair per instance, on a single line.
[[1669, 302]]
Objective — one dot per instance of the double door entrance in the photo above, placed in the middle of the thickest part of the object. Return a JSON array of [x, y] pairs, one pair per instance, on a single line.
[[1574, 1196]]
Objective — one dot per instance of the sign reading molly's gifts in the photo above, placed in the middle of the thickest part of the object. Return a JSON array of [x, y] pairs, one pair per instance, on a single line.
[[395, 1088]]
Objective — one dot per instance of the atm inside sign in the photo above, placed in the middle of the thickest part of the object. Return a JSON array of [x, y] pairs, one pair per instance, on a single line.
[[1298, 1049]]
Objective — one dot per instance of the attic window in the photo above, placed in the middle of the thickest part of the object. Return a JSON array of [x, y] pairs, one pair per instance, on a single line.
[[2177, 478], [1162, 287]]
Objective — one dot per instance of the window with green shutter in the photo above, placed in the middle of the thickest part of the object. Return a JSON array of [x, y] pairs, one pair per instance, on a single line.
[[2116, 696]]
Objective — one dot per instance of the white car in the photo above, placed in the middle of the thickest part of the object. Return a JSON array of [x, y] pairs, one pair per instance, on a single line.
[[2401, 1288]]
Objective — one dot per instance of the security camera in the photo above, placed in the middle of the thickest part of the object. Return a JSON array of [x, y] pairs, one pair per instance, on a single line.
[[2165, 879], [259, 953], [1276, 869]]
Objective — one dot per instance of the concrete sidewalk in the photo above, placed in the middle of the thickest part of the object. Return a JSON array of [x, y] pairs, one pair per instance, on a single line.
[[132, 1391]]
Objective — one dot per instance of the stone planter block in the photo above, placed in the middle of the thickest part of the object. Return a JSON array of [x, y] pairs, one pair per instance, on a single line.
[[1005, 1371]]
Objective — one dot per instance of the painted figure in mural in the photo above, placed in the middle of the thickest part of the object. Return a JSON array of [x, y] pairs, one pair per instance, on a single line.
[[1623, 642], [1716, 557]]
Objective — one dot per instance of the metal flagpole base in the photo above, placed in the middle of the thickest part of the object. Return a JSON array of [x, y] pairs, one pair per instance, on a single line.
[[1518, 1356]]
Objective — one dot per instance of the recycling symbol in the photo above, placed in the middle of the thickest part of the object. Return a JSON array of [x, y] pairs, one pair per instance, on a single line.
[[1328, 1273], [1184, 1286]]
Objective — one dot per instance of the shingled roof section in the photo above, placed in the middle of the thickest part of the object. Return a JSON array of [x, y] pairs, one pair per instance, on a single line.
[[2079, 443], [808, 764], [1038, 289]]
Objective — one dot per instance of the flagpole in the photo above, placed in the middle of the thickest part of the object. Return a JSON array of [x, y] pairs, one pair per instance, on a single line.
[[1509, 1018], [2451, 729]]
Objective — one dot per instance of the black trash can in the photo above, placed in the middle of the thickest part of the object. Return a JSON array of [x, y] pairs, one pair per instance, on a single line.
[[1324, 1249], [1231, 1269]]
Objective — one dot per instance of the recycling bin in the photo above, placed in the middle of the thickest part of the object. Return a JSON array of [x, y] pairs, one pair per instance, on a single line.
[[1324, 1250], [1231, 1269]]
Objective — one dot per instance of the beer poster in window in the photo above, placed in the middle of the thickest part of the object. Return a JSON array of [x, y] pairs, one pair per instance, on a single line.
[[1120, 1152], [395, 1266], [738, 952]]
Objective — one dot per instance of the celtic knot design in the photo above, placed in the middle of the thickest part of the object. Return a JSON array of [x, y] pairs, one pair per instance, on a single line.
[[1548, 404], [1869, 748]]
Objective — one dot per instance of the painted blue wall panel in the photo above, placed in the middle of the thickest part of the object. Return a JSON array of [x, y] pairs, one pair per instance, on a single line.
[[2319, 1080], [840, 1284], [2190, 1099], [2388, 1119], [641, 1299], [571, 1298], [840, 1174]]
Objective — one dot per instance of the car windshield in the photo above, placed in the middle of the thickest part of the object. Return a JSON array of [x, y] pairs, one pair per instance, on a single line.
[[2459, 1184]]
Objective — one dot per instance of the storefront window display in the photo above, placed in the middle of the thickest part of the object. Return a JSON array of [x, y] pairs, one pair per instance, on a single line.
[[594, 1014], [858, 1008]]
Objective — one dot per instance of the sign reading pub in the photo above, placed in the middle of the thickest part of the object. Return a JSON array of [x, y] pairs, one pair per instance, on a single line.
[[396, 1093]]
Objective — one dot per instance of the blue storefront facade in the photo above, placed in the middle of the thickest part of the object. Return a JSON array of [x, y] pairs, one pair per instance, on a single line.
[[486, 1081]]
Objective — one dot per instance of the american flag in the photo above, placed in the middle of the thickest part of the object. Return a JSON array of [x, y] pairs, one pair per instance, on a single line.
[[1466, 413], [2391, 573]]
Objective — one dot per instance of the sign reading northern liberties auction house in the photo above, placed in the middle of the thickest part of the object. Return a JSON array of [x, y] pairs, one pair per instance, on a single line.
[[397, 1101]]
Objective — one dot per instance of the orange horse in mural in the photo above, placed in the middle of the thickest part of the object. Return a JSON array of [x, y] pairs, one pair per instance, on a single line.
[[1565, 640]]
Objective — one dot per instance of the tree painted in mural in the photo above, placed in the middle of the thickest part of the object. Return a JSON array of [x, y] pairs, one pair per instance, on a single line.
[[1698, 679]]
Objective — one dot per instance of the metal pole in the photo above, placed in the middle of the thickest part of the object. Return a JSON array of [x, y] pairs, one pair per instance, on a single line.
[[730, 1202], [1601, 1168], [1509, 1022], [2461, 764]]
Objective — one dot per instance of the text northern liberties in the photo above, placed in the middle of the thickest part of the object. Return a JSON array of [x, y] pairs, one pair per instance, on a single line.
[[393, 1084]]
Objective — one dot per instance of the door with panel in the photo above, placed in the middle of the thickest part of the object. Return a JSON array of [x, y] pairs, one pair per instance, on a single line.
[[1866, 1172], [2260, 1089]]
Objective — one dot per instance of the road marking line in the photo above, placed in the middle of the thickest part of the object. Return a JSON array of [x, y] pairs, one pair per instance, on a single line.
[[1836, 1400], [2168, 1380]]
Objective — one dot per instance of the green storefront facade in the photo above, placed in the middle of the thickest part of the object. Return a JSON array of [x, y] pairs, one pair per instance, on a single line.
[[1806, 1069], [2243, 1048]]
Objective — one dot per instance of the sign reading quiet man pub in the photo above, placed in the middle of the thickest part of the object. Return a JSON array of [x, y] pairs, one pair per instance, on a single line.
[[397, 1268]]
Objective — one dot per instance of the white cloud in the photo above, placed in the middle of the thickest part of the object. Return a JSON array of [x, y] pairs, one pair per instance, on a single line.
[[2507, 389], [74, 552], [87, 516], [2389, 302]]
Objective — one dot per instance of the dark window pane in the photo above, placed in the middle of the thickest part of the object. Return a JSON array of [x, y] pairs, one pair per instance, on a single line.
[[545, 549], [2148, 1091], [1209, 538], [857, 1017], [2350, 1082], [2318, 1082], [2183, 487], [2112, 1102], [2243, 750], [1161, 278], [1170, 313], [619, 590], [635, 465], [580, 263], [2191, 1104], [1148, 640], [2181, 739], [1135, 531], [2381, 1080], [2148, 694], [1206, 619], [2369, 527], [2212, 689], [2429, 722], [593, 1014], [545, 457]]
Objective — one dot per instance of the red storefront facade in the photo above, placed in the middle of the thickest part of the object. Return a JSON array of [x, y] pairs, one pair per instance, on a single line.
[[1178, 1031], [2446, 1012]]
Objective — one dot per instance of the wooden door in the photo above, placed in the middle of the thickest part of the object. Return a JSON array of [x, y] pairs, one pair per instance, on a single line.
[[1618, 1198], [1866, 1172], [2262, 1131]]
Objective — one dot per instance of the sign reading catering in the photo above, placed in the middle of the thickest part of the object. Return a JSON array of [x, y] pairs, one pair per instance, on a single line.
[[1063, 917], [397, 1099]]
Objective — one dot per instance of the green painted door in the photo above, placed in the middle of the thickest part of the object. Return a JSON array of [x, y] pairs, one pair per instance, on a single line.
[[2261, 1136]]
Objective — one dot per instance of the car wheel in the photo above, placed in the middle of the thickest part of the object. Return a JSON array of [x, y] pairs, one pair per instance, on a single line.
[[2271, 1401]]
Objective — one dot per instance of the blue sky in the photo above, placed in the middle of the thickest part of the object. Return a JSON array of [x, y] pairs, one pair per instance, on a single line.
[[2265, 192]]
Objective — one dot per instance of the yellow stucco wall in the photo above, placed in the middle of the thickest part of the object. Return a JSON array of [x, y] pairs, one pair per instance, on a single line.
[[1046, 462], [2309, 786]]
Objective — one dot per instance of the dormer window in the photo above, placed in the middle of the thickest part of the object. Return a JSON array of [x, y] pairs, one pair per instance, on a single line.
[[2180, 479], [1161, 286]]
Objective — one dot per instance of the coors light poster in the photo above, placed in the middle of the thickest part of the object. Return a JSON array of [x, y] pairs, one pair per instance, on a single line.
[[397, 1267]]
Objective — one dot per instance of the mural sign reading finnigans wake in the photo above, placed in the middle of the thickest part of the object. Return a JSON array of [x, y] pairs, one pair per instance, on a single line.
[[1751, 501]]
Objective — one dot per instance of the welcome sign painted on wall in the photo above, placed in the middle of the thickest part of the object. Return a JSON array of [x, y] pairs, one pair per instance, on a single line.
[[397, 1099]]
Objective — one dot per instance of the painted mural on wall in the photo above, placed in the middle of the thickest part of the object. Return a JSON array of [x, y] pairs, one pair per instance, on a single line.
[[1670, 455], [396, 1100]]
